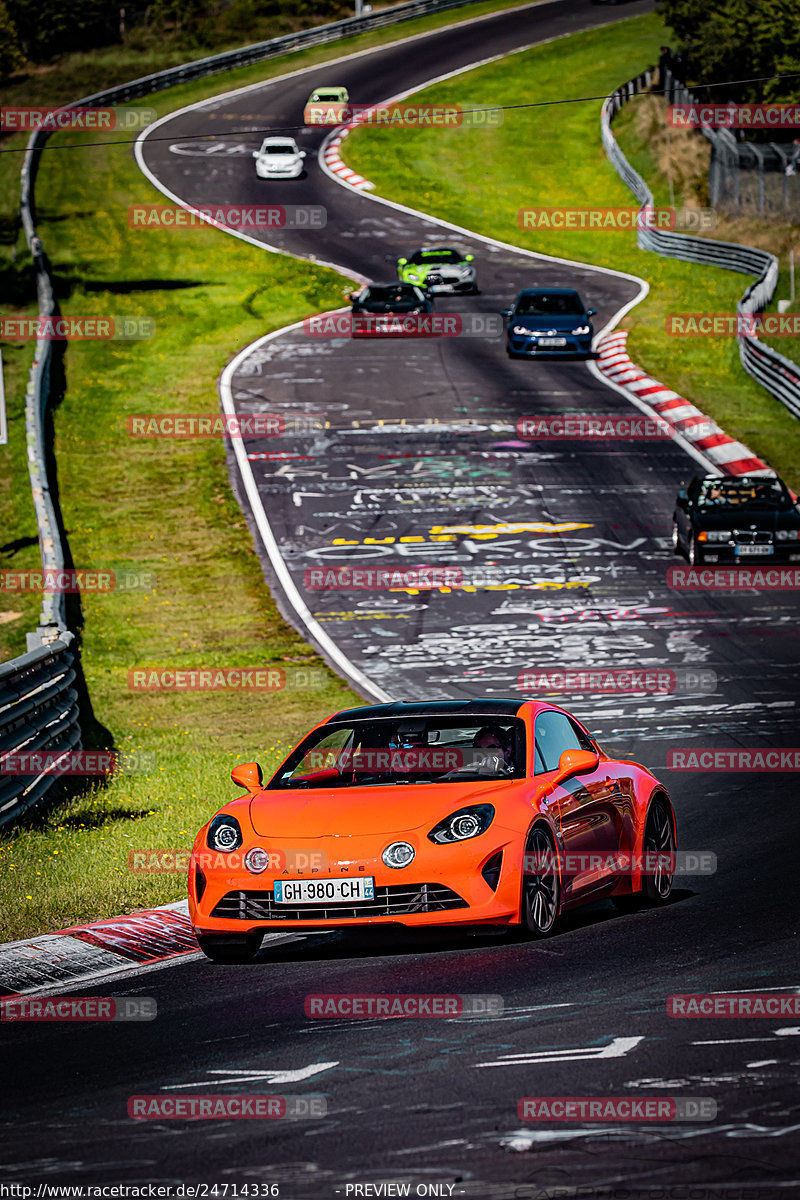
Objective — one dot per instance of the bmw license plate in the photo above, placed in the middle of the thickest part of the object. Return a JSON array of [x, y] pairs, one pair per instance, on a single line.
[[551, 341], [743, 550], [324, 891]]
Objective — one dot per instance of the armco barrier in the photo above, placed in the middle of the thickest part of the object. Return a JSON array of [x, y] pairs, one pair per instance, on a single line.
[[38, 707], [779, 375], [38, 711]]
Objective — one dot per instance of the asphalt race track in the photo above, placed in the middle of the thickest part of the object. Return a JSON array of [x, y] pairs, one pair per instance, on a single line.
[[393, 440]]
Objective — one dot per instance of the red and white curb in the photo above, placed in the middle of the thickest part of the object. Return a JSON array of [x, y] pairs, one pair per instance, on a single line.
[[334, 162], [81, 952], [722, 451]]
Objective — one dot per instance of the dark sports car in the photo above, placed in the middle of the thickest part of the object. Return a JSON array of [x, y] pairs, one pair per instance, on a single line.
[[459, 813], [548, 321], [389, 309], [732, 520]]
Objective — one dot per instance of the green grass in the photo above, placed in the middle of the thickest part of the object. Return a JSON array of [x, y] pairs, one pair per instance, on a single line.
[[553, 157]]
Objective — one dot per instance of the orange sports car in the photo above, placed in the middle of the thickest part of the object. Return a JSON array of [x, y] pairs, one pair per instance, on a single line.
[[461, 813]]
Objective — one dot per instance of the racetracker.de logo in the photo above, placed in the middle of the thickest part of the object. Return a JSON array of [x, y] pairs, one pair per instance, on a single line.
[[176, 862], [733, 1004], [401, 1005], [215, 1107], [76, 762], [228, 216], [614, 680], [49, 117], [682, 220], [734, 116], [80, 1008], [71, 580], [404, 324], [621, 862], [375, 579], [229, 425], [76, 329], [732, 324], [394, 116], [733, 758], [593, 427], [733, 579], [616, 1108]]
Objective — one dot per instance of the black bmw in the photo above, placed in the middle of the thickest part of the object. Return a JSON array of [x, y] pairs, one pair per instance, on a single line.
[[738, 519]]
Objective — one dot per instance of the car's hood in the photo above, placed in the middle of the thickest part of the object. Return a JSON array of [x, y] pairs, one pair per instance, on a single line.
[[559, 323], [380, 809], [380, 310], [281, 159]]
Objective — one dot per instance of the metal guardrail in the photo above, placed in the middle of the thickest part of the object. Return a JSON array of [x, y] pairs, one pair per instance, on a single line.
[[38, 712], [779, 375], [38, 705]]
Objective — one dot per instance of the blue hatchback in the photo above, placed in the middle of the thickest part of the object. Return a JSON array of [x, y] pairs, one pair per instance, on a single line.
[[549, 321]]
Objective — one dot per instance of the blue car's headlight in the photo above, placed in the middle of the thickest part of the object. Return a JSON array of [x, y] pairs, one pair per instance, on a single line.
[[462, 825], [582, 329], [521, 329], [224, 834]]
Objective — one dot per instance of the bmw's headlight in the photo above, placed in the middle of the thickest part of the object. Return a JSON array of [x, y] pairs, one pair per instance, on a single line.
[[399, 854], [787, 535], [224, 834], [582, 329], [462, 825], [718, 535]]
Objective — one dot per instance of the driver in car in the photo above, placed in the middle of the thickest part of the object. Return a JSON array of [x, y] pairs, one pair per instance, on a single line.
[[498, 747]]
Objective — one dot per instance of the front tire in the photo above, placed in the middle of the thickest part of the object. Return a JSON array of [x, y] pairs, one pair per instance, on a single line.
[[694, 554], [659, 838], [676, 541], [222, 948], [541, 889]]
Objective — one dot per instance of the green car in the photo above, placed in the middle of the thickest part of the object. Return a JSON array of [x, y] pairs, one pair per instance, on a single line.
[[327, 106], [440, 268]]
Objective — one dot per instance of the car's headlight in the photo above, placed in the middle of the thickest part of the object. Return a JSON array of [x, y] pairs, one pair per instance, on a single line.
[[412, 275], [715, 535], [582, 329], [399, 854], [224, 834], [521, 329], [256, 860], [462, 825], [787, 535]]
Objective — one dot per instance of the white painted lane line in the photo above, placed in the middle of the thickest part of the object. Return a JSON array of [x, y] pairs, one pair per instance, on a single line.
[[271, 1076], [618, 1047]]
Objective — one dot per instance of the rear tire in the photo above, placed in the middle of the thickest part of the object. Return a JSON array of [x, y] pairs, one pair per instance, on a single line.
[[224, 948], [541, 890]]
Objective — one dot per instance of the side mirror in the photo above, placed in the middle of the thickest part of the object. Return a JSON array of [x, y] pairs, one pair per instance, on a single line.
[[572, 762], [507, 313], [682, 500], [352, 296], [591, 312], [302, 153], [256, 153], [248, 776], [401, 262], [469, 258]]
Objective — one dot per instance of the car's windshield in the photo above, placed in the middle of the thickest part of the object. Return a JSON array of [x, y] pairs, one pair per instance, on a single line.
[[550, 304], [285, 148], [435, 256], [720, 495], [426, 749], [323, 97], [389, 295]]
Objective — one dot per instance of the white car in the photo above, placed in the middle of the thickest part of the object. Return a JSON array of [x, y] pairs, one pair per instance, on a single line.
[[279, 158]]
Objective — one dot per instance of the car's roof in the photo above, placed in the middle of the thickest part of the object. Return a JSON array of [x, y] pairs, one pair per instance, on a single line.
[[438, 708], [735, 480], [279, 141], [390, 283], [434, 249], [548, 291]]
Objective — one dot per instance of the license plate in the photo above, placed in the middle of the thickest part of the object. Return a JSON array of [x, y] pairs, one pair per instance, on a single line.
[[324, 891], [551, 341], [753, 550]]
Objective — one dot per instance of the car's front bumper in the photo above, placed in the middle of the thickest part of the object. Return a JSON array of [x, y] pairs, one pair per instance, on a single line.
[[289, 173], [531, 347], [445, 885]]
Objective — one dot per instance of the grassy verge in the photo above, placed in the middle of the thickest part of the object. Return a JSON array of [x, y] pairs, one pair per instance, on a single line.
[[554, 157], [162, 507]]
